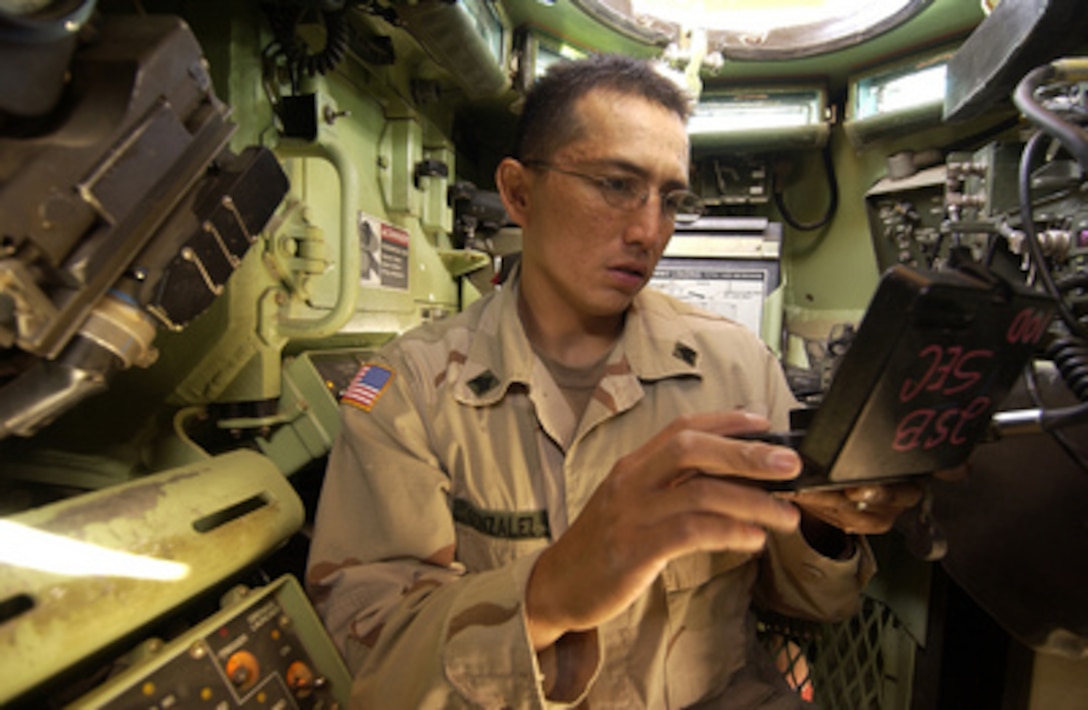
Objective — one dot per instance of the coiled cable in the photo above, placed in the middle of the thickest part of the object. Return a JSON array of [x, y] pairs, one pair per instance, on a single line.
[[1070, 357], [1069, 353], [299, 58]]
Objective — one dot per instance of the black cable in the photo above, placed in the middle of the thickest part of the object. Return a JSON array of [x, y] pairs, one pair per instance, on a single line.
[[336, 45], [1070, 357], [1053, 421], [1070, 353], [832, 202], [1071, 136], [300, 60], [991, 250], [1035, 250]]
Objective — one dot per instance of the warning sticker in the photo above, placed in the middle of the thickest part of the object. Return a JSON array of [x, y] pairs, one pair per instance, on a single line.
[[383, 254]]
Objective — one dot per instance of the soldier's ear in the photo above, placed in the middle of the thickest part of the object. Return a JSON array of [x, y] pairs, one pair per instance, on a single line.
[[513, 180]]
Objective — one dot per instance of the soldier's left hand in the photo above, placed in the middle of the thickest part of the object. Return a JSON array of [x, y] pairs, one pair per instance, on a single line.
[[865, 510]]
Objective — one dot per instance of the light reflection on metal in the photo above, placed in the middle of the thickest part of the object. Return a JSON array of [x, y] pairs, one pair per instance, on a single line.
[[28, 547]]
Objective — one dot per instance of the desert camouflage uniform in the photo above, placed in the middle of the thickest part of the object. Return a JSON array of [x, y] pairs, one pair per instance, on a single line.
[[444, 488]]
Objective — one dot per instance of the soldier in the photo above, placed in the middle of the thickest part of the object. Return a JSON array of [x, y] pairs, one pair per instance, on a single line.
[[540, 499]]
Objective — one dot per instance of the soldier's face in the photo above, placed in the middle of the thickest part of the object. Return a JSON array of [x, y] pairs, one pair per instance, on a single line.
[[581, 253]]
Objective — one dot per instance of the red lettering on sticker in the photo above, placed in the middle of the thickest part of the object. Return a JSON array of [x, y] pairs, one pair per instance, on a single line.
[[951, 371]]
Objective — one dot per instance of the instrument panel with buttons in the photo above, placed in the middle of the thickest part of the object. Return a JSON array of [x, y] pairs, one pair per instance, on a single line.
[[265, 649]]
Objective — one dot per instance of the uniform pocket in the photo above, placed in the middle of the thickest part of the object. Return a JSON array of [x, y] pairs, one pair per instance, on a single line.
[[708, 597], [696, 569]]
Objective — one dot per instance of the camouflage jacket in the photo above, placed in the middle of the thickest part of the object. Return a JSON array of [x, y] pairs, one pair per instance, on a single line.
[[459, 461]]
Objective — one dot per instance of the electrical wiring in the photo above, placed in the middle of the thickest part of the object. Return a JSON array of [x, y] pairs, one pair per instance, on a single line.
[[1069, 348], [1052, 421], [832, 201], [298, 57], [1071, 136], [1035, 250]]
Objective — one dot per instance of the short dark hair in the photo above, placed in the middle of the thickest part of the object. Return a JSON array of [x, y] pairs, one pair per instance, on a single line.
[[548, 121]]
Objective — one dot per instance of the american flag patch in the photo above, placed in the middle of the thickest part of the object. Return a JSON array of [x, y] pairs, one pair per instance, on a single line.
[[367, 386]]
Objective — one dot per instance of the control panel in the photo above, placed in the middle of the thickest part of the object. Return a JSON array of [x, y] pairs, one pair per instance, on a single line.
[[265, 649], [971, 202]]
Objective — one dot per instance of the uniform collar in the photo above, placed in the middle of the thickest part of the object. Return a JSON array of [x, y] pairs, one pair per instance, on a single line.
[[499, 354], [656, 343]]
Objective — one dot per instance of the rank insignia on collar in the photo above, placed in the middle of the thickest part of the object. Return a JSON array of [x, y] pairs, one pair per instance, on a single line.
[[483, 382], [683, 352]]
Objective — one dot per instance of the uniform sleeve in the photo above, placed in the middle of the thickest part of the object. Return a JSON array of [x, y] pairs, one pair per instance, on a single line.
[[409, 621], [795, 579], [798, 581]]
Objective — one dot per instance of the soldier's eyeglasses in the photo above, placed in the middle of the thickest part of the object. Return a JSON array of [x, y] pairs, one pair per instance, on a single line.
[[631, 193]]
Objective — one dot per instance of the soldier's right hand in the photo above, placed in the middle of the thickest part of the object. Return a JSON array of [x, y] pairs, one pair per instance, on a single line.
[[686, 490]]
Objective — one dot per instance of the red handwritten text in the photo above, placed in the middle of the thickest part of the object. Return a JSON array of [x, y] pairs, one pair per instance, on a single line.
[[928, 427], [1028, 326], [964, 368]]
